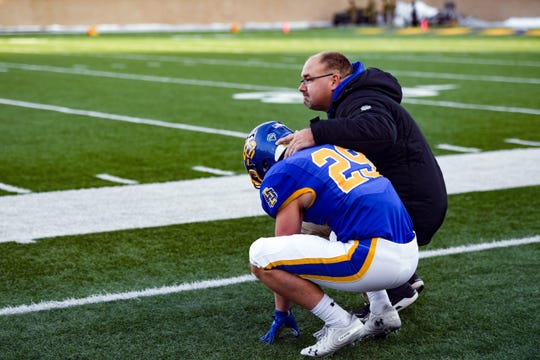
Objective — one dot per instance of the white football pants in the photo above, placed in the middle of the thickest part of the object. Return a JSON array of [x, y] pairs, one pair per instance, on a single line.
[[356, 266]]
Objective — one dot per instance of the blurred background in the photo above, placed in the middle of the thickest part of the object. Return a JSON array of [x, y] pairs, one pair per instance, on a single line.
[[65, 15]]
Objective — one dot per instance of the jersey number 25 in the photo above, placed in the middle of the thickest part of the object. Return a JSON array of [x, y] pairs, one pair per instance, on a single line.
[[349, 168]]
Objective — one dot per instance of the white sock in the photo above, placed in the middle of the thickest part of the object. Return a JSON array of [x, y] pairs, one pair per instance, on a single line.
[[331, 313], [378, 301]]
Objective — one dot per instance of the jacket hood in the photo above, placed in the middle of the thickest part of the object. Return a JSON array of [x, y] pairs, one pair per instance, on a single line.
[[371, 82]]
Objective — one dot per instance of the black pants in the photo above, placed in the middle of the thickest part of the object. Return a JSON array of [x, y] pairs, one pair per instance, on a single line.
[[427, 219]]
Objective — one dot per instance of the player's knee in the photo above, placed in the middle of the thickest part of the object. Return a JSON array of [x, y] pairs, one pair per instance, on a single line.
[[266, 276], [256, 271], [256, 252]]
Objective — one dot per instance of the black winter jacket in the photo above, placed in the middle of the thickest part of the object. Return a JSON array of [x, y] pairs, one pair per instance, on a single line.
[[367, 116]]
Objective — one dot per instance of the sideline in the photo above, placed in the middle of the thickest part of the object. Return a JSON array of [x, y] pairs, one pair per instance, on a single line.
[[208, 284], [25, 218]]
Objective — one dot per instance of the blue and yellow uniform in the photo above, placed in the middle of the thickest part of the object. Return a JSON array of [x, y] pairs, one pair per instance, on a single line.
[[361, 207], [350, 195]]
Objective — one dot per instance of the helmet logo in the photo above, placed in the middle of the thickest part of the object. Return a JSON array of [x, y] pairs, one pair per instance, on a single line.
[[271, 137], [249, 151], [251, 167]]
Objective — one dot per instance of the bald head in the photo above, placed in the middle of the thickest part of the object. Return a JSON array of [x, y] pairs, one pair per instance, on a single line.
[[333, 61]]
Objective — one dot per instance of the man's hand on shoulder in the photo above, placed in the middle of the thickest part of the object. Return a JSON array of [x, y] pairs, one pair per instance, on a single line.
[[299, 140]]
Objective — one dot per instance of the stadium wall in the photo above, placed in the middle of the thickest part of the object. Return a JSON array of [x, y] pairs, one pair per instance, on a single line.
[[123, 12]]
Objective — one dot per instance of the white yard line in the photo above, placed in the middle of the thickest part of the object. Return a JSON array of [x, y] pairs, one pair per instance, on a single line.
[[139, 77], [115, 117], [455, 60], [466, 77], [458, 148], [81, 70], [294, 66], [24, 218], [522, 142], [213, 171], [456, 105], [202, 61], [14, 189], [116, 179], [478, 247], [103, 298], [208, 284]]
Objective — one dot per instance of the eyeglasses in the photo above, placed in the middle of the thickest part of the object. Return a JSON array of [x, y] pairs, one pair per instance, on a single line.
[[307, 80]]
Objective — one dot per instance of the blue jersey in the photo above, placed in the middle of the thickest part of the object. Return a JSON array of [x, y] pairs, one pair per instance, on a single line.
[[349, 194]]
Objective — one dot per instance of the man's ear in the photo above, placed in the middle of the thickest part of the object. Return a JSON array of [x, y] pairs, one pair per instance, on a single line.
[[336, 80]]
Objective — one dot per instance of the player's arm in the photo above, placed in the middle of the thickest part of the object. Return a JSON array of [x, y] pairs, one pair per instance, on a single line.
[[289, 218]]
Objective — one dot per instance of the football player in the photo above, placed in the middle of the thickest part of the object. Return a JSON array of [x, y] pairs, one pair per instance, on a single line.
[[373, 246]]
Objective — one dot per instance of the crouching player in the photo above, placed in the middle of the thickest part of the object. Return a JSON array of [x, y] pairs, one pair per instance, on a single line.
[[374, 247]]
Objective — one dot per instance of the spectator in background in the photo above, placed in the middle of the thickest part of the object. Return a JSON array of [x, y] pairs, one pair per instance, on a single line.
[[389, 6], [352, 10], [370, 12], [414, 15]]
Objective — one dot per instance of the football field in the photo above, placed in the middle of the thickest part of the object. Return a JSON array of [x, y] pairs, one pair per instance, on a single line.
[[126, 214]]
